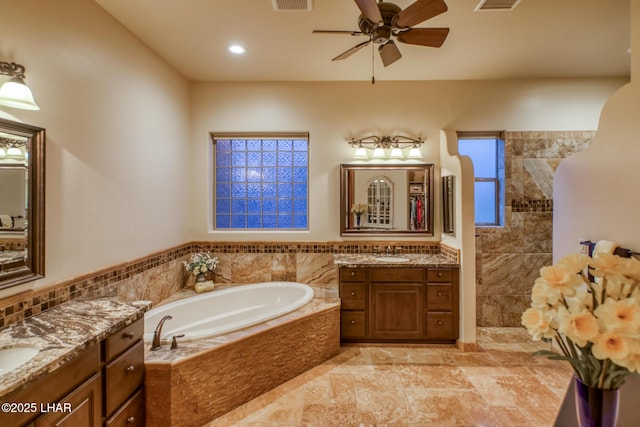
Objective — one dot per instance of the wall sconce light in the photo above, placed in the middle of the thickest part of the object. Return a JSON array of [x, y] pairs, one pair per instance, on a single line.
[[381, 143], [14, 92]]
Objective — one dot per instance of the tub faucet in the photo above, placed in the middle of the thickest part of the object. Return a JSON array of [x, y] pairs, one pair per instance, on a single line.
[[155, 345]]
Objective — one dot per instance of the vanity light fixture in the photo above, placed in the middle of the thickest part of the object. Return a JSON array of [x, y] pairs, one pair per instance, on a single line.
[[14, 92], [361, 153], [381, 143], [10, 149], [415, 153]]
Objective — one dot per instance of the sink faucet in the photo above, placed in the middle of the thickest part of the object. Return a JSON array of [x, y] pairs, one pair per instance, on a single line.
[[155, 345], [389, 250]]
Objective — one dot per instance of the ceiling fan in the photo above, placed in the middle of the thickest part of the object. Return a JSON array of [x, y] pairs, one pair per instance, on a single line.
[[381, 21]]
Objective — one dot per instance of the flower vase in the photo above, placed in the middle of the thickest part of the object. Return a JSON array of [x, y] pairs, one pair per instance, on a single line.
[[358, 220], [596, 407]]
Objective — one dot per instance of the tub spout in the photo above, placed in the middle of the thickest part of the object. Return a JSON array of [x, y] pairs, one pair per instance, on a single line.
[[155, 345]]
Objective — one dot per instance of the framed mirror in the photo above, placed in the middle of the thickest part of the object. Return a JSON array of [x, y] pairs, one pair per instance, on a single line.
[[448, 218], [21, 203], [386, 199]]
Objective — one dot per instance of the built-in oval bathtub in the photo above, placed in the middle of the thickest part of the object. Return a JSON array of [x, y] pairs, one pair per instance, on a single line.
[[222, 311]]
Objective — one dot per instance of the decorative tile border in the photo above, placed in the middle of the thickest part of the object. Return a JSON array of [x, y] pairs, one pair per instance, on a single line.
[[542, 205], [104, 282]]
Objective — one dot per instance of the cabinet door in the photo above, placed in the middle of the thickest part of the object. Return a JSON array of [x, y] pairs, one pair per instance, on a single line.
[[84, 407], [397, 310]]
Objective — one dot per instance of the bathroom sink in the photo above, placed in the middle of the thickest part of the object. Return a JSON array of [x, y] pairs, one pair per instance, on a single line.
[[390, 258], [13, 357]]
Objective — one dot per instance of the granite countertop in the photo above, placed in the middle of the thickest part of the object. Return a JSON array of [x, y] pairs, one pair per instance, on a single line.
[[403, 260], [62, 333]]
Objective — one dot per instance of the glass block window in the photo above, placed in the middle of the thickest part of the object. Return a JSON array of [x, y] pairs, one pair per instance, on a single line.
[[261, 181], [486, 150]]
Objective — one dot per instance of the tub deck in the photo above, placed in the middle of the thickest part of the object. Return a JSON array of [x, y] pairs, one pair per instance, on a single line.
[[203, 379]]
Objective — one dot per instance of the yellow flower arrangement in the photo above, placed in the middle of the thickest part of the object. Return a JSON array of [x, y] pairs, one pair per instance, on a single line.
[[596, 325], [358, 208]]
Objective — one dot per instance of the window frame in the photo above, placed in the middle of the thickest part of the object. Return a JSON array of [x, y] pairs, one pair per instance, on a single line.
[[498, 136], [215, 137]]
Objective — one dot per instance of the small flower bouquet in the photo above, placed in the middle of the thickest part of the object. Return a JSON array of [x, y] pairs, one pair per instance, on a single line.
[[358, 208], [596, 325], [200, 263]]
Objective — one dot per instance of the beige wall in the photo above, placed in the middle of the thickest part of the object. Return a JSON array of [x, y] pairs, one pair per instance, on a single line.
[[335, 111], [116, 119], [597, 191], [128, 154]]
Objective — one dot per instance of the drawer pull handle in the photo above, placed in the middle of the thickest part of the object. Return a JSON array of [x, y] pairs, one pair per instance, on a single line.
[[128, 335], [439, 273], [130, 369], [439, 294], [353, 322], [353, 273], [353, 293], [131, 420], [439, 322]]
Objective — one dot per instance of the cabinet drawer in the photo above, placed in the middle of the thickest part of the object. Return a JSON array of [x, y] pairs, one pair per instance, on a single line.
[[352, 324], [353, 296], [123, 376], [84, 404], [439, 275], [439, 297], [123, 339], [353, 274], [393, 275], [131, 414], [440, 326]]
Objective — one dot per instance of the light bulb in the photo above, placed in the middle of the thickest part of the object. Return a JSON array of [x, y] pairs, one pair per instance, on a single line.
[[361, 153], [378, 153], [396, 153], [415, 153], [15, 93]]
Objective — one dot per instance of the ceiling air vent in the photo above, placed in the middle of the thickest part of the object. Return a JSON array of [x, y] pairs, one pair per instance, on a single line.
[[292, 5], [489, 5]]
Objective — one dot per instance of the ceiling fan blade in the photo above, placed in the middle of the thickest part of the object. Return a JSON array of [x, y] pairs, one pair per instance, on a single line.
[[351, 51], [419, 12], [389, 53], [432, 37], [369, 9], [353, 33]]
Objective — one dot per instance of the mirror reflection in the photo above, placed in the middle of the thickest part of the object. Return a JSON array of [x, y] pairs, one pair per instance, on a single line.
[[13, 200], [386, 199], [21, 203]]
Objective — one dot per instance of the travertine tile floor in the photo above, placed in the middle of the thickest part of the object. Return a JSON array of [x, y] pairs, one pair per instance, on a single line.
[[417, 385]]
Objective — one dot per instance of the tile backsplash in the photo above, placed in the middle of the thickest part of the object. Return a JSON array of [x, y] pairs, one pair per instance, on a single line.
[[159, 275]]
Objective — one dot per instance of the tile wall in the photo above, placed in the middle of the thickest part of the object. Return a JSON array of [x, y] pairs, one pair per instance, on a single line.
[[508, 259], [158, 276]]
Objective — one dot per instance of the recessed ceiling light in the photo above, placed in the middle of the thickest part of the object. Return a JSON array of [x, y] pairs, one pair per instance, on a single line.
[[237, 49]]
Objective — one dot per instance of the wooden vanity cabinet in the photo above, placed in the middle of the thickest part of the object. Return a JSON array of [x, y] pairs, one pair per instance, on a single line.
[[399, 304], [102, 386]]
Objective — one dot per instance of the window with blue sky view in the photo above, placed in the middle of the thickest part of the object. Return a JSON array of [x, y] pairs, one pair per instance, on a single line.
[[487, 154], [261, 183]]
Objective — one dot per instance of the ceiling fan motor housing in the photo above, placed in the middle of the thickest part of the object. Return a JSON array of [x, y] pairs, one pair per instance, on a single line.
[[380, 34]]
